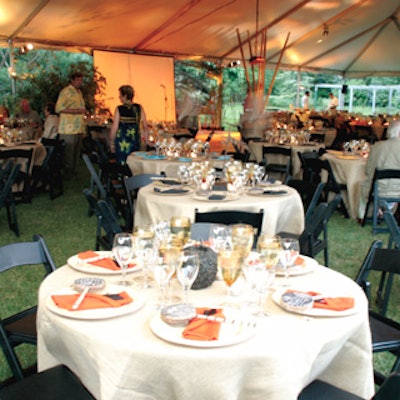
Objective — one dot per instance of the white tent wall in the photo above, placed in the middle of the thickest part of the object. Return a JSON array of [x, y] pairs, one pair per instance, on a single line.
[[151, 76]]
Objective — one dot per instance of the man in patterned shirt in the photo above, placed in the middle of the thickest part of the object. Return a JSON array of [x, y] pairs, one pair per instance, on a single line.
[[71, 108]]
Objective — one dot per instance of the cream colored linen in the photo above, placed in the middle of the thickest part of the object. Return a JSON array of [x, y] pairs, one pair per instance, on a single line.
[[281, 213], [122, 359]]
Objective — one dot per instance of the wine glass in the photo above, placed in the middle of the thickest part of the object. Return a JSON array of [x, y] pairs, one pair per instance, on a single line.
[[122, 250], [230, 264], [219, 237], [269, 248], [242, 236], [162, 272], [187, 271], [290, 250], [145, 250], [180, 228]]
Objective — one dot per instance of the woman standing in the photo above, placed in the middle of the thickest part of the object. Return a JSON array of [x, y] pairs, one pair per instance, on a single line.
[[129, 126]]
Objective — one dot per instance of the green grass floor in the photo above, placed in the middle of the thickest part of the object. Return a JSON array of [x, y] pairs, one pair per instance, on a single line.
[[67, 229]]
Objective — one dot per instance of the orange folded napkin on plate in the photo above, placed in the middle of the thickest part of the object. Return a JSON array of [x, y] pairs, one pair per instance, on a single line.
[[91, 301], [333, 303], [299, 262], [202, 329], [105, 262]]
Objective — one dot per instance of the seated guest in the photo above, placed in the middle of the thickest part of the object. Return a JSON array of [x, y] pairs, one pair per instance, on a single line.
[[31, 117], [383, 155], [50, 130], [4, 113]]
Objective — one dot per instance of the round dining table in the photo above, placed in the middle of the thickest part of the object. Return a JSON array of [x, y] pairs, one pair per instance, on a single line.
[[256, 149], [135, 355], [150, 163], [349, 169], [283, 207]]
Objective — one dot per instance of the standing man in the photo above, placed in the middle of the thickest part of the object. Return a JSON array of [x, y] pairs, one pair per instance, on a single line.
[[333, 102], [304, 101], [71, 108]]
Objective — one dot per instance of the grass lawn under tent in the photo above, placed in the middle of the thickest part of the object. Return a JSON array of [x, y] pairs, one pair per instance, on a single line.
[[67, 229]]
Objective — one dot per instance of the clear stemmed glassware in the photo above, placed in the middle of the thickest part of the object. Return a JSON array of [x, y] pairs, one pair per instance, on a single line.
[[162, 273], [219, 237], [290, 250], [145, 250], [230, 264], [264, 280], [269, 247], [242, 236], [187, 271], [123, 250]]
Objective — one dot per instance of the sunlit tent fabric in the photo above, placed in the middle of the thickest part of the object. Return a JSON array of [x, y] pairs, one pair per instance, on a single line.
[[361, 38]]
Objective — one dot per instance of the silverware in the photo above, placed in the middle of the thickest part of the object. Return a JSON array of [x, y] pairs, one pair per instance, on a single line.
[[79, 300]]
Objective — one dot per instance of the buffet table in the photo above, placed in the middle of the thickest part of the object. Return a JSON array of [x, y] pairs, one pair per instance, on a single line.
[[131, 356], [281, 212]]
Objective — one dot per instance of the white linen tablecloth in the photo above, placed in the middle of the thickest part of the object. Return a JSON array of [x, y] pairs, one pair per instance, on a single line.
[[121, 358], [281, 212], [350, 171]]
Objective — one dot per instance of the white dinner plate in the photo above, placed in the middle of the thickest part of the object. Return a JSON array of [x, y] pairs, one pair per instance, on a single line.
[[80, 265], [317, 312], [228, 196], [229, 334], [164, 191], [275, 190], [99, 313], [308, 266], [269, 183]]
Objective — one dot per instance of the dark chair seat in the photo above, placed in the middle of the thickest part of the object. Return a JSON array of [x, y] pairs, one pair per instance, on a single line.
[[57, 383]]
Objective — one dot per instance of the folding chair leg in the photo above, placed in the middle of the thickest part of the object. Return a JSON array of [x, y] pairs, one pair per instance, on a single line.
[[11, 357], [12, 219]]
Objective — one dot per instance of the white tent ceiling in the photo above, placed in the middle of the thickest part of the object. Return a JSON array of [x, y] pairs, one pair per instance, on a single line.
[[363, 39]]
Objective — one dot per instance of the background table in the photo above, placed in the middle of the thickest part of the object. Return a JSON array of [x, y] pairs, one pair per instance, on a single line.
[[140, 165], [38, 155], [350, 171], [256, 149], [281, 213], [122, 359]]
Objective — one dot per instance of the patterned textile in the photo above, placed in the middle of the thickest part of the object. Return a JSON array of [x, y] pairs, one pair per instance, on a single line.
[[70, 97], [128, 134]]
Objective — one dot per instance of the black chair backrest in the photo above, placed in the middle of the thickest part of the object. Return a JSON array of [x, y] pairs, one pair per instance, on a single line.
[[229, 217], [314, 226], [390, 389], [108, 221], [9, 176], [26, 253], [23, 156], [96, 181], [386, 262]]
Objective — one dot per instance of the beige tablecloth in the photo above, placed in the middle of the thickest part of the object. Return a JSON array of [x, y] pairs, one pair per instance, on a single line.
[[350, 171], [256, 149], [122, 359], [281, 213], [38, 155]]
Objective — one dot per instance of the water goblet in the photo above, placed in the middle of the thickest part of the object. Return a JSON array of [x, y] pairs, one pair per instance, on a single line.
[[187, 271], [290, 250], [145, 250], [219, 237], [122, 251], [269, 248], [162, 272], [180, 228]]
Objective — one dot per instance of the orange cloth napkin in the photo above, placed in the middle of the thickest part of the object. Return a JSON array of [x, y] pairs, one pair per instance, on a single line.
[[202, 329], [91, 301], [333, 303], [299, 261], [105, 262]]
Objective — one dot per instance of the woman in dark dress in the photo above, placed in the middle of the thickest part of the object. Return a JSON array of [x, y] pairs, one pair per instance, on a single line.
[[129, 126]]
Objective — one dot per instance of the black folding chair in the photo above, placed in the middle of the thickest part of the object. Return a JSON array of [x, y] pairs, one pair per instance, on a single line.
[[8, 177], [284, 169], [378, 275], [57, 383], [374, 197], [228, 217], [21, 327], [318, 389]]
